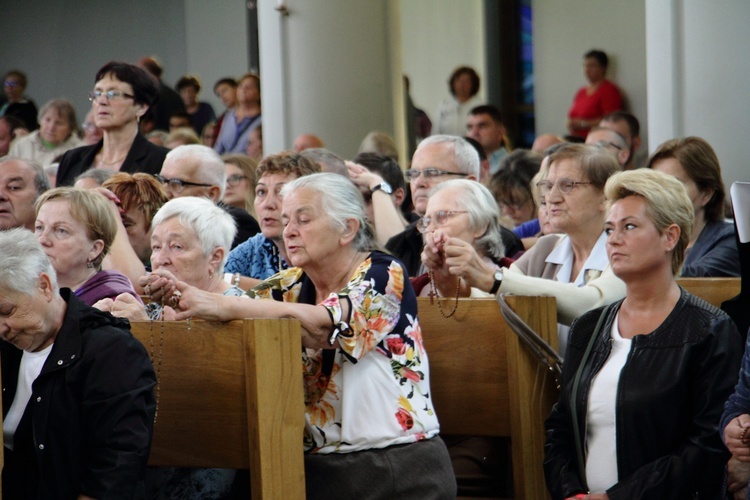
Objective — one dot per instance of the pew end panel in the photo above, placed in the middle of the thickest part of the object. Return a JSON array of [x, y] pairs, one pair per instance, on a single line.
[[484, 382], [230, 395], [712, 290]]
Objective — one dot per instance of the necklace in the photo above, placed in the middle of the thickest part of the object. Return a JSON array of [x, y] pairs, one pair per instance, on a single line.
[[434, 294], [115, 162]]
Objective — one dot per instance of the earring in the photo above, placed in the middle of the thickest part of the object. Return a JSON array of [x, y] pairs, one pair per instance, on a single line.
[[89, 264], [210, 275]]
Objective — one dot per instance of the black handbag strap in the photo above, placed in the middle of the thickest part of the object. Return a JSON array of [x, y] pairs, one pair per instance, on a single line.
[[574, 391]]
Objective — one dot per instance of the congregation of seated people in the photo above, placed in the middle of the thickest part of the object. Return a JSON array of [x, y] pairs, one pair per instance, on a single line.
[[158, 209]]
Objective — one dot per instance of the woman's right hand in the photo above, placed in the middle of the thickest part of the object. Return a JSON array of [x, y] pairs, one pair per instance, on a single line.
[[737, 437], [159, 285], [189, 301]]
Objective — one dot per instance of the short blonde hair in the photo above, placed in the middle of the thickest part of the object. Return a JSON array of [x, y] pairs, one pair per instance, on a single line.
[[90, 209], [667, 203]]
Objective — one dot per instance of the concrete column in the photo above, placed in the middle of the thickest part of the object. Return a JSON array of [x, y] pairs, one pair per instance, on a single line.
[[327, 69]]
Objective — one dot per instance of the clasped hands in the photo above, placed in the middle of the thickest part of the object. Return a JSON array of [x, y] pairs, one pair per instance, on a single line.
[[451, 258], [737, 439]]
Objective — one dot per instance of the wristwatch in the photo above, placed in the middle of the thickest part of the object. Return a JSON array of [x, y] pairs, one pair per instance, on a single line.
[[387, 189], [498, 282]]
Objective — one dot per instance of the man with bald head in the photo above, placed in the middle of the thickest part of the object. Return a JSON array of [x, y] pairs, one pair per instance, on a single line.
[[197, 170], [307, 141], [21, 182], [612, 142], [437, 159]]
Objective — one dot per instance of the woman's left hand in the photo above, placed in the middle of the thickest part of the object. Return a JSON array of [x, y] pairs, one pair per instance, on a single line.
[[188, 302]]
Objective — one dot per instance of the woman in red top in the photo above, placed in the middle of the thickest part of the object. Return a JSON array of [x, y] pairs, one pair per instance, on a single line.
[[596, 99]]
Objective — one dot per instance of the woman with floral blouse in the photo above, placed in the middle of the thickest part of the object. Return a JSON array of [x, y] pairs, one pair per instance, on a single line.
[[371, 429]]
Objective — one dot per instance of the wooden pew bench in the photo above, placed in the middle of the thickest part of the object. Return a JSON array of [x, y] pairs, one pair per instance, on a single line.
[[230, 394]]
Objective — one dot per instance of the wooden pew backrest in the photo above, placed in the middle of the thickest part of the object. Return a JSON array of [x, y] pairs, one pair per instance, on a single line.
[[712, 290], [230, 395], [484, 382]]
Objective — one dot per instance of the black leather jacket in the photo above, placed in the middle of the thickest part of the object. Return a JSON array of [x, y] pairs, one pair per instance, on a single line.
[[670, 397]]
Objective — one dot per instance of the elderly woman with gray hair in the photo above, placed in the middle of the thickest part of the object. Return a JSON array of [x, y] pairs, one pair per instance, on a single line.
[[57, 133], [190, 242], [461, 219], [371, 429], [78, 400]]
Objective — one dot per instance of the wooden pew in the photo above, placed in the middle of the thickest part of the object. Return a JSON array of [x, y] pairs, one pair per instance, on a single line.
[[230, 395], [484, 382], [712, 290]]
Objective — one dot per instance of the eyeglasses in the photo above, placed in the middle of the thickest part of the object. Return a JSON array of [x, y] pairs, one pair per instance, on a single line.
[[178, 185], [109, 95], [235, 179], [429, 173], [11, 83], [439, 218], [605, 144], [564, 185]]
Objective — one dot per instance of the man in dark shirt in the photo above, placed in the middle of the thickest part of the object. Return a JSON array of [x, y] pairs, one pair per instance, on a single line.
[[196, 170]]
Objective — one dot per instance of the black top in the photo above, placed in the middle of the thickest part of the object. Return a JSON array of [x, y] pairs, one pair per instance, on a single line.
[[168, 104], [247, 226], [142, 157], [25, 111]]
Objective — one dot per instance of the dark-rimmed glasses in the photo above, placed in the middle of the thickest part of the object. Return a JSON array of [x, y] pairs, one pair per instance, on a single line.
[[235, 179], [109, 95], [564, 185], [439, 218], [178, 185], [429, 173]]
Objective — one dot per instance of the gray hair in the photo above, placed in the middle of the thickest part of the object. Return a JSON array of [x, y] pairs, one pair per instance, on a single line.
[[327, 160], [340, 200], [211, 171], [466, 157], [100, 175], [213, 226], [41, 181], [22, 261], [483, 212], [65, 109]]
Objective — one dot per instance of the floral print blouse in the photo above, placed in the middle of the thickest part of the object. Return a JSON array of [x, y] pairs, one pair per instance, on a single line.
[[378, 391]]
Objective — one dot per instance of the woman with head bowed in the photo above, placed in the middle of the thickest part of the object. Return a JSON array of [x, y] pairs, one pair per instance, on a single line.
[[712, 250], [78, 399], [122, 94], [371, 430], [57, 133], [76, 229], [645, 379]]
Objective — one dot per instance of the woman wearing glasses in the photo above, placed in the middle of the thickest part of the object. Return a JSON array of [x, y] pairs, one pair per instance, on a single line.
[[240, 191], [122, 94], [572, 266]]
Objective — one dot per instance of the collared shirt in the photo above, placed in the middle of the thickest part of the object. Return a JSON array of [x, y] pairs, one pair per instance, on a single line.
[[597, 262]]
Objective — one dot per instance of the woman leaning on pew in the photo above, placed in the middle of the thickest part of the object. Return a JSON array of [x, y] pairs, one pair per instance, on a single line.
[[645, 379], [370, 426]]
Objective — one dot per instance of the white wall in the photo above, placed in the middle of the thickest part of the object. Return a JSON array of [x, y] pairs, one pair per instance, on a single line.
[[698, 73], [326, 70], [565, 30], [438, 36], [60, 44], [216, 43]]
